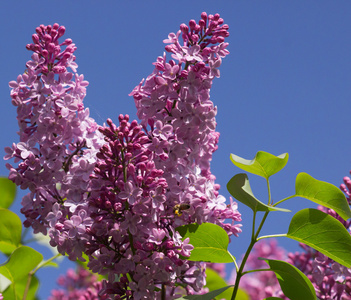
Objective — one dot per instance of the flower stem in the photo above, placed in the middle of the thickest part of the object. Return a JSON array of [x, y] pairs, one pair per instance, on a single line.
[[240, 273], [31, 273]]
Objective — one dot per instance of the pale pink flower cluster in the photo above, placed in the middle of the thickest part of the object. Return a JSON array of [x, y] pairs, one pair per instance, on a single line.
[[58, 141], [117, 193], [175, 109]]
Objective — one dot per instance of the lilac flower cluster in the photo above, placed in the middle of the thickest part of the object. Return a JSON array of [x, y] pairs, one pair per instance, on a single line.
[[133, 233], [174, 102], [58, 142], [77, 284], [117, 193]]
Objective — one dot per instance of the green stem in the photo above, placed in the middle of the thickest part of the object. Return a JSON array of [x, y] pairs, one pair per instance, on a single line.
[[257, 270], [269, 192], [287, 198], [27, 286], [271, 235], [31, 273], [252, 243]]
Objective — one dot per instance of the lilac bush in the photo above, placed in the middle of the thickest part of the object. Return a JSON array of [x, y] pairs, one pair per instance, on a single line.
[[115, 194]]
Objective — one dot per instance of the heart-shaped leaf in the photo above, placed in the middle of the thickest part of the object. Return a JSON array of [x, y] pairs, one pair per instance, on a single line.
[[239, 187], [10, 231], [294, 284], [23, 260], [323, 233], [322, 193], [210, 242], [16, 291], [7, 192], [264, 164]]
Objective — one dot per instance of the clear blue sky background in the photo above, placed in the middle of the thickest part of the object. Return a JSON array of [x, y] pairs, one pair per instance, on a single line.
[[285, 87]]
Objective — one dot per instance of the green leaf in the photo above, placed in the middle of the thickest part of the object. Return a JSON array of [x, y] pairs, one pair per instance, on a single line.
[[322, 193], [294, 284], [323, 233], [10, 231], [214, 281], [242, 295], [264, 164], [239, 187], [23, 260], [7, 192], [210, 242], [208, 296], [16, 291]]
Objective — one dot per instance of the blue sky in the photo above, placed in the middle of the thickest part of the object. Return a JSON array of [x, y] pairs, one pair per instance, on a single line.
[[285, 87]]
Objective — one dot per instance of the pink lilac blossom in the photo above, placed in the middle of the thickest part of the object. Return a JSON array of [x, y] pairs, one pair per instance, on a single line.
[[58, 142], [174, 107], [77, 284], [110, 191]]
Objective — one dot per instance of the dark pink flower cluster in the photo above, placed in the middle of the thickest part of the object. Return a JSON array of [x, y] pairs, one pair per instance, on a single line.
[[133, 232], [118, 193]]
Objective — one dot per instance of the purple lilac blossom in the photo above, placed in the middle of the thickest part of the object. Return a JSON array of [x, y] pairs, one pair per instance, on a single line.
[[110, 191]]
